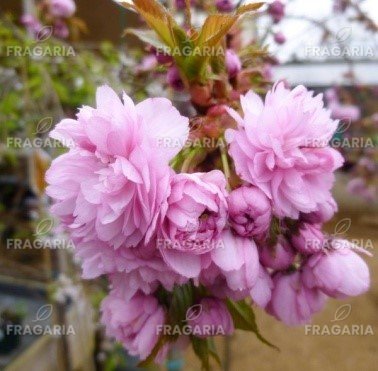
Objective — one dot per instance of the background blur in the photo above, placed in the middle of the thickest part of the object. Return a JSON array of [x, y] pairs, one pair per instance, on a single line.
[[330, 46]]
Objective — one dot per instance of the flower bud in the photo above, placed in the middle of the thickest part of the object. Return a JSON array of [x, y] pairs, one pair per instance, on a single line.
[[309, 240], [278, 257], [212, 319], [249, 211], [233, 63]]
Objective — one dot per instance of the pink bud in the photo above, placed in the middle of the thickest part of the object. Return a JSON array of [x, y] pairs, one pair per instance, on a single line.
[[224, 5], [276, 10], [309, 240], [279, 38], [233, 63], [339, 272], [249, 211], [278, 257], [174, 79]]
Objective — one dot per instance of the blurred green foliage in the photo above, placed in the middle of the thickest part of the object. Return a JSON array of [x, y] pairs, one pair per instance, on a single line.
[[51, 78]]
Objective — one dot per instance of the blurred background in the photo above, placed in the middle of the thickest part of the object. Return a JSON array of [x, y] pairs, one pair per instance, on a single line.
[[51, 65]]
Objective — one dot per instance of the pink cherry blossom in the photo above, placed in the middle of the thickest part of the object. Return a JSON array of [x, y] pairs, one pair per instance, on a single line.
[[339, 272], [243, 275], [281, 147], [111, 187], [195, 219], [134, 323], [292, 301]]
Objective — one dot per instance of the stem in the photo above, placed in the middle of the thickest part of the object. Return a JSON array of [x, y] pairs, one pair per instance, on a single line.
[[225, 164], [187, 162], [188, 14], [227, 353]]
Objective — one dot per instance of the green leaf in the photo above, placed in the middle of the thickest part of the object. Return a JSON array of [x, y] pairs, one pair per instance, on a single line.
[[244, 319], [180, 37], [151, 358], [147, 36], [213, 350], [182, 300], [218, 65], [204, 349]]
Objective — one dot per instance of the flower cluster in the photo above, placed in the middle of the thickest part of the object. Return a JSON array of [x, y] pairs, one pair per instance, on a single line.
[[152, 231], [52, 19]]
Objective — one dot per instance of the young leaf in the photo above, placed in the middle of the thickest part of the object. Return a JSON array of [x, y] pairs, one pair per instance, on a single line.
[[214, 29], [248, 8], [146, 36], [244, 319], [158, 18]]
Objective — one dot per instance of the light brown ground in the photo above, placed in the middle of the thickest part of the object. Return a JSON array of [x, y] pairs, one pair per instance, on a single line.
[[313, 352]]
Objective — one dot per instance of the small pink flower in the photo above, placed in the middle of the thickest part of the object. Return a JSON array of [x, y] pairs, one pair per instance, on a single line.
[[213, 318], [249, 211], [292, 301], [233, 63], [309, 239], [135, 323], [195, 219], [339, 272], [278, 257], [282, 148], [62, 8]]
